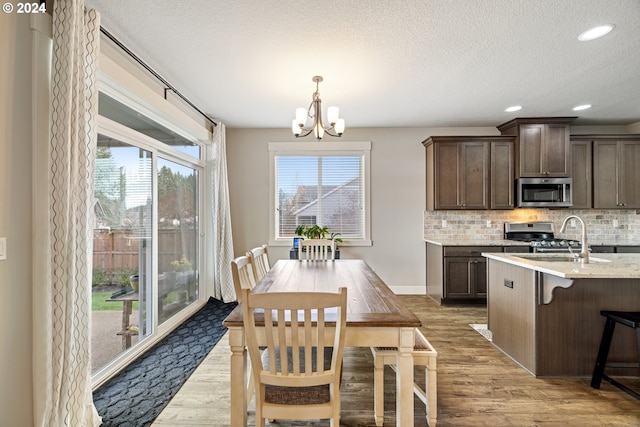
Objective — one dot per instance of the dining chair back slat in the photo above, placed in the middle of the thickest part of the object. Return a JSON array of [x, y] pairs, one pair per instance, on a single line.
[[317, 250]]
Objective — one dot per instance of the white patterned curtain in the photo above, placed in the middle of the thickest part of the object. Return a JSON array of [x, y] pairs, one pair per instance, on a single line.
[[65, 363], [221, 219]]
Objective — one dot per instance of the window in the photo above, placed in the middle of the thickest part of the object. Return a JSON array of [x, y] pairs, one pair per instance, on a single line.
[[324, 183]]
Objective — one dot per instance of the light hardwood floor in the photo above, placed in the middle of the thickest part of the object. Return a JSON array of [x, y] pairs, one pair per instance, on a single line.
[[477, 385]]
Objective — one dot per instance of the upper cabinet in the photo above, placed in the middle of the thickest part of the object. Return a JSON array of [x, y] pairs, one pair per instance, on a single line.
[[582, 186], [616, 171], [542, 146], [502, 172], [460, 172]]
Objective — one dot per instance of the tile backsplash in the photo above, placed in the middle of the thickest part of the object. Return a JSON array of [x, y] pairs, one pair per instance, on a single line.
[[603, 226]]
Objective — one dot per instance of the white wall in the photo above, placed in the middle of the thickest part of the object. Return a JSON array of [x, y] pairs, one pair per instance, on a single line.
[[15, 220], [397, 197]]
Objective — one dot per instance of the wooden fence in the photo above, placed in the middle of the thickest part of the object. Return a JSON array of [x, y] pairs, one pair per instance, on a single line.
[[116, 252]]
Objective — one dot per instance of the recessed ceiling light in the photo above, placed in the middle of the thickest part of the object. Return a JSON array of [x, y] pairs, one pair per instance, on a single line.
[[582, 107], [513, 108], [595, 33]]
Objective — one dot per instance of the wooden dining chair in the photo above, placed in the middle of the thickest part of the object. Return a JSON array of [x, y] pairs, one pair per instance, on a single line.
[[297, 376], [243, 277], [317, 250], [259, 258]]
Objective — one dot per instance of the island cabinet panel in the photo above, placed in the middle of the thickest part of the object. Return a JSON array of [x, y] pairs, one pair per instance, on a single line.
[[511, 312], [542, 145], [551, 325], [469, 172], [569, 329], [616, 172]]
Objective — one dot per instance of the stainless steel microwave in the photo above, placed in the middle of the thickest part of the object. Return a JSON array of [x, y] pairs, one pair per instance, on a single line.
[[544, 192]]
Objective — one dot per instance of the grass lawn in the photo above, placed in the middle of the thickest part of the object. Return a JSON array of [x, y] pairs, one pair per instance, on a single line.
[[99, 302]]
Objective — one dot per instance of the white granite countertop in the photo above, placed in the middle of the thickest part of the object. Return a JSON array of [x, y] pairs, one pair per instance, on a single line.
[[445, 241], [614, 266], [474, 242]]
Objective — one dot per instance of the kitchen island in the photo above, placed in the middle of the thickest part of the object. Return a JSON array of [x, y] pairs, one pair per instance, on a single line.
[[544, 309]]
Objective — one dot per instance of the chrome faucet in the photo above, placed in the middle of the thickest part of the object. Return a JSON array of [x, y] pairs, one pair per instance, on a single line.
[[584, 251]]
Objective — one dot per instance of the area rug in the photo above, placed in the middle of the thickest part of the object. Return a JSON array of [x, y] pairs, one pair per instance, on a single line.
[[137, 395], [481, 328]]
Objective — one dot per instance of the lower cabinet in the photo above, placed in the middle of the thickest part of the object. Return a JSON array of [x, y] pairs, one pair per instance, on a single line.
[[458, 274], [465, 277]]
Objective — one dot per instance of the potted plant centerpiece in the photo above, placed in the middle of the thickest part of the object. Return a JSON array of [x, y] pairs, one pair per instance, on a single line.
[[314, 232]]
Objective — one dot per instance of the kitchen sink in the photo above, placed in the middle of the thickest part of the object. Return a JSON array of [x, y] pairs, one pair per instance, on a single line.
[[559, 258]]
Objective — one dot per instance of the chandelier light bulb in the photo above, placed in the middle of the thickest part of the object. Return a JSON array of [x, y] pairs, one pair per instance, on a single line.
[[301, 116], [295, 127], [332, 115]]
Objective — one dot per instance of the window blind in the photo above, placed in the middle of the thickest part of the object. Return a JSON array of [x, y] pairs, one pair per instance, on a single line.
[[323, 189]]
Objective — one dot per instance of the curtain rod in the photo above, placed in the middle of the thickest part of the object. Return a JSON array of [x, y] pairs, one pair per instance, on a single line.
[[155, 74]]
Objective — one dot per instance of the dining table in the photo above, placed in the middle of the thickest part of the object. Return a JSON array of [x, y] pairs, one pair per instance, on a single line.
[[375, 318]]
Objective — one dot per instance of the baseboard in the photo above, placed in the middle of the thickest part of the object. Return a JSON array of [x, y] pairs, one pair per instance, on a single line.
[[408, 290]]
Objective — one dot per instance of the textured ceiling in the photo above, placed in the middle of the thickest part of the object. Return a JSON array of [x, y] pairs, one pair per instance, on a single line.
[[389, 63]]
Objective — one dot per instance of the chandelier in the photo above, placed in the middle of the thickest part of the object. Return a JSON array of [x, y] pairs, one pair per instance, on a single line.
[[314, 112]]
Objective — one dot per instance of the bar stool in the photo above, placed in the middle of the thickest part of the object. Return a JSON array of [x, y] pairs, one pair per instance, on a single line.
[[626, 318]]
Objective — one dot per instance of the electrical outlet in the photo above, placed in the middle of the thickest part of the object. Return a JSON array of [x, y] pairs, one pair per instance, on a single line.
[[444, 223], [3, 248], [488, 223], [616, 224], [572, 223]]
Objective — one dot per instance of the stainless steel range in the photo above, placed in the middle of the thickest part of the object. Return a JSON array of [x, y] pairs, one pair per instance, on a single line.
[[539, 235]]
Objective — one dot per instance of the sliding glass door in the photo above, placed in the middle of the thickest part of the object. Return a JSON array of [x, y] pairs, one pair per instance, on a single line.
[[122, 259], [178, 246], [147, 240]]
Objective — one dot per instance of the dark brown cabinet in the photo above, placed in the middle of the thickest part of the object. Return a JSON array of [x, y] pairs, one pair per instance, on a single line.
[[616, 172], [542, 146], [582, 188], [465, 277], [469, 172], [502, 175]]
